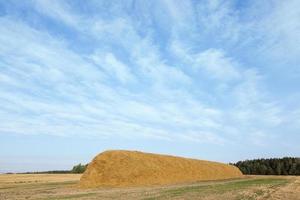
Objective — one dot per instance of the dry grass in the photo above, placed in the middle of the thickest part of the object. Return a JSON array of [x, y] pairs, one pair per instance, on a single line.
[[62, 187], [9, 179], [132, 168]]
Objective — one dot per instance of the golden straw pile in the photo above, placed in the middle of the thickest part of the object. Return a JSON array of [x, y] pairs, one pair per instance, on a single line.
[[132, 168]]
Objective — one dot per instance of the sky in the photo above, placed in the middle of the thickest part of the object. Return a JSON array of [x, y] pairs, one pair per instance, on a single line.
[[210, 79]]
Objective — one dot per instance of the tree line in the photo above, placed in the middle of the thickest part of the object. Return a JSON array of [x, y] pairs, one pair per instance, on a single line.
[[77, 169], [273, 166]]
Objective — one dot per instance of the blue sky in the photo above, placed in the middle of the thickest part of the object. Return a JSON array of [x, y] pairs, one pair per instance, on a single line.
[[216, 80]]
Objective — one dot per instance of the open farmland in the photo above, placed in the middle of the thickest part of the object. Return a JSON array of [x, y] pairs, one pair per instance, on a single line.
[[65, 186]]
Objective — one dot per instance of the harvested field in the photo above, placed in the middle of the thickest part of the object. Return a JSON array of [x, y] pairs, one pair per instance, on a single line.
[[11, 179], [132, 168], [44, 187]]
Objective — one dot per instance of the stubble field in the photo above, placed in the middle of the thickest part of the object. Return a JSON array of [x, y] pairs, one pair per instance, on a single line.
[[65, 186]]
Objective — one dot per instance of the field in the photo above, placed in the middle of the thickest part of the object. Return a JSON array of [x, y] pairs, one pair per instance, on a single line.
[[65, 186]]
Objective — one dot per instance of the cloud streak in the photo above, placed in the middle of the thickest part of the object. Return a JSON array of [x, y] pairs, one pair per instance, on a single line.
[[131, 78]]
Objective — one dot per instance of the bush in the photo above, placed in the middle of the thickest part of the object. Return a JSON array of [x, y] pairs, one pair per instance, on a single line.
[[78, 169]]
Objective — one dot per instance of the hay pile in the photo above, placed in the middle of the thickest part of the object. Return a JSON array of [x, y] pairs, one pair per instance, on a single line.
[[132, 168]]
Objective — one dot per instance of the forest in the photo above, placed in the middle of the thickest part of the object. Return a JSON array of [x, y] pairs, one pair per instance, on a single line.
[[273, 166]]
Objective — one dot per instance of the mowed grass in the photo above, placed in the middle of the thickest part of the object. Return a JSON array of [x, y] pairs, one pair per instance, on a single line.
[[220, 188], [66, 187]]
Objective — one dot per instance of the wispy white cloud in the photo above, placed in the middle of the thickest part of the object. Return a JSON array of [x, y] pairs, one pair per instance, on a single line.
[[66, 94], [109, 63], [59, 10], [280, 30], [217, 65], [217, 17], [185, 82]]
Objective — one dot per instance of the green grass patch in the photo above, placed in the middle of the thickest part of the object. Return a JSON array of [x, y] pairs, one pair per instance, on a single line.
[[220, 188], [73, 196]]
